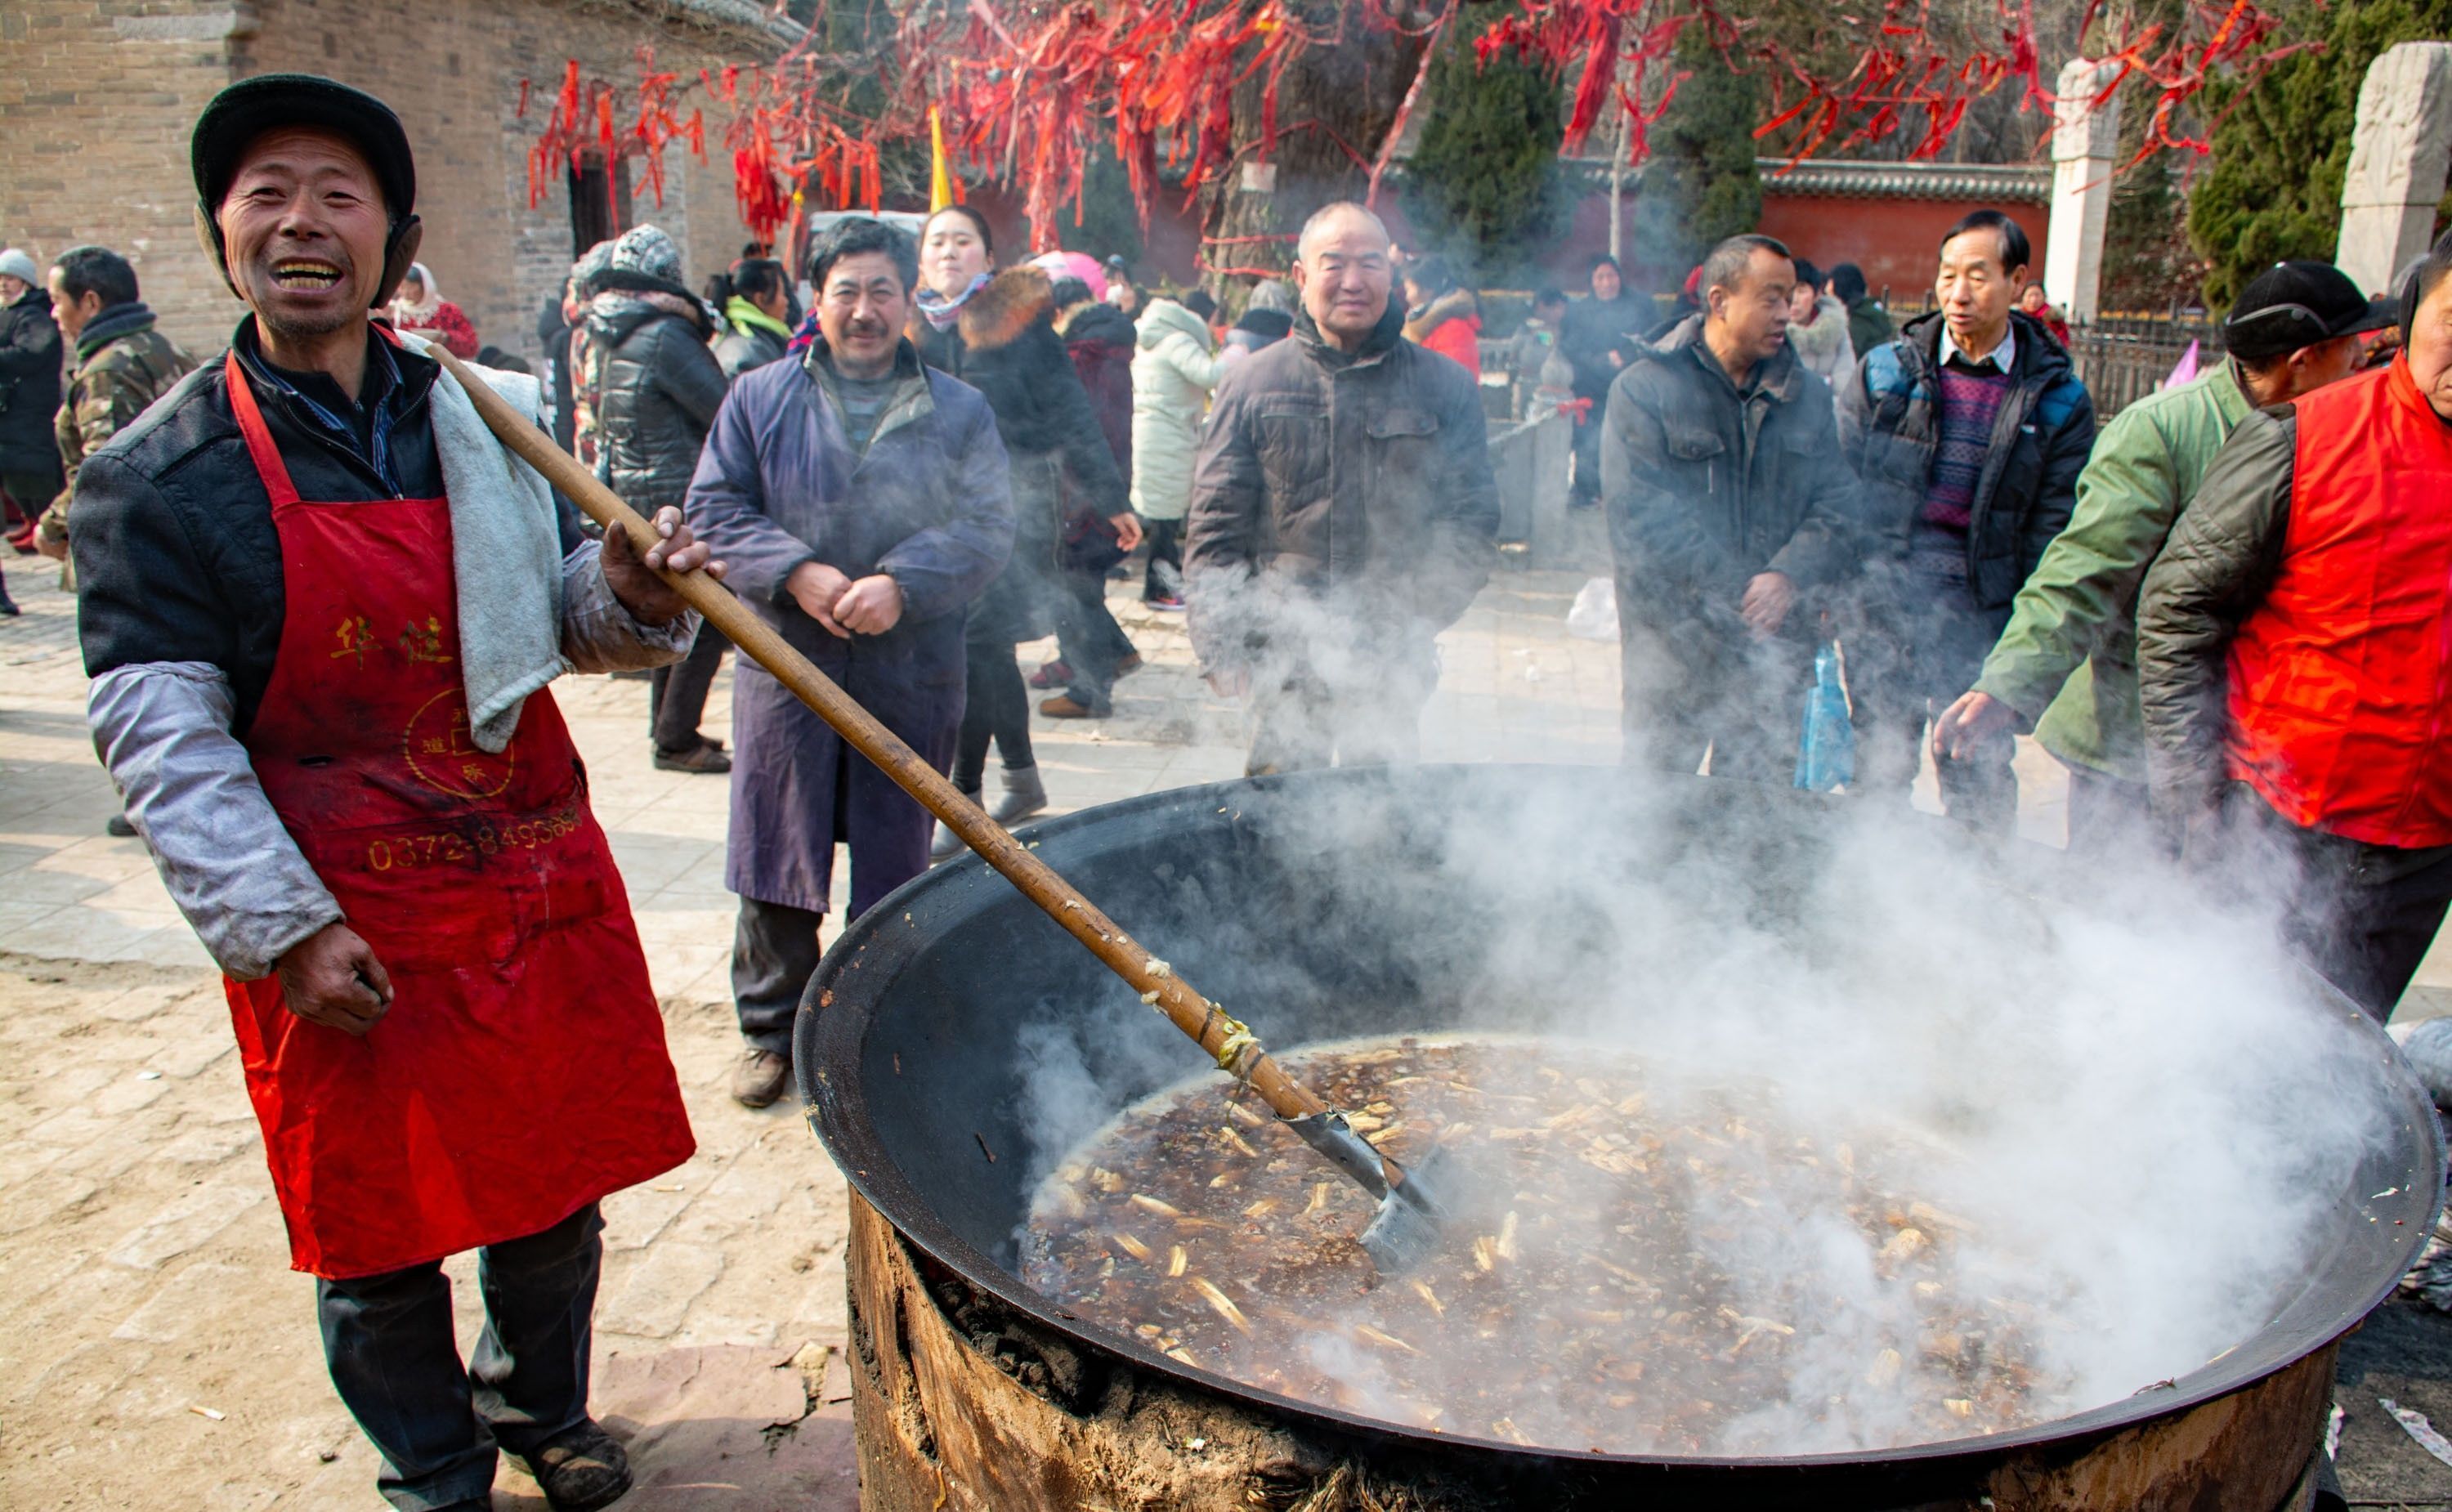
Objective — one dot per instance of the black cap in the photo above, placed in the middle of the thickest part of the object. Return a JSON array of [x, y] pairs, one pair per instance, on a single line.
[[251, 106], [2294, 304]]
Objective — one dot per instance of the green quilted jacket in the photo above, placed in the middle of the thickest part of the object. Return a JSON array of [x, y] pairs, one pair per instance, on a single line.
[[2067, 664]]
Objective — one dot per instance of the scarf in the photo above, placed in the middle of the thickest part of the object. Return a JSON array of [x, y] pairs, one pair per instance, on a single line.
[[805, 337], [112, 324], [614, 303], [944, 313], [746, 316], [425, 310]]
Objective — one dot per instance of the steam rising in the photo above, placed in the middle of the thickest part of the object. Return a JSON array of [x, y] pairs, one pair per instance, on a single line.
[[2131, 1099]]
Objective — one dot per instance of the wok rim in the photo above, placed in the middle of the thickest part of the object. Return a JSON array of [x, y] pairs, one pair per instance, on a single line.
[[837, 1111]]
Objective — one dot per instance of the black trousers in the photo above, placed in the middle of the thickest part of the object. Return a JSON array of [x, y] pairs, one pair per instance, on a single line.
[[1365, 710], [2109, 820], [774, 951], [1165, 576], [2362, 915], [388, 1340], [1089, 640], [1738, 696], [1901, 676], [995, 706], [1584, 484], [677, 692]]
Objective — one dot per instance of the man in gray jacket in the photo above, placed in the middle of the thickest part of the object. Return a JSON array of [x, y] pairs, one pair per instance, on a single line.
[[1343, 514], [1726, 503]]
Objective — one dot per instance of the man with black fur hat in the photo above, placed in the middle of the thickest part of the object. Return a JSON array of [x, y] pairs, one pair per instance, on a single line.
[[320, 603], [2294, 657]]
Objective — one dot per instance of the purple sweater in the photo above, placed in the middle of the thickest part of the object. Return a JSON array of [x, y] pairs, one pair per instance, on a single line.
[[1970, 405]]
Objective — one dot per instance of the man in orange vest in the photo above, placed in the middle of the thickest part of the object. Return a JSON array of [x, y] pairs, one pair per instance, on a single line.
[[2295, 659]]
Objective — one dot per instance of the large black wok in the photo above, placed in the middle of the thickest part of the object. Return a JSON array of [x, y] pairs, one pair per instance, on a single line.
[[908, 1054]]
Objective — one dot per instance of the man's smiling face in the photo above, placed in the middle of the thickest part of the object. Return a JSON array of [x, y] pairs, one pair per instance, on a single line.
[[305, 227]]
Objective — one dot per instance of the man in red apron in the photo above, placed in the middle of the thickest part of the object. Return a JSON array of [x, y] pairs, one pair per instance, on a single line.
[[320, 603]]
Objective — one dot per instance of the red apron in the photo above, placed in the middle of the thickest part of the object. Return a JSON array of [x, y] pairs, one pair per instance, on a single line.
[[521, 1072]]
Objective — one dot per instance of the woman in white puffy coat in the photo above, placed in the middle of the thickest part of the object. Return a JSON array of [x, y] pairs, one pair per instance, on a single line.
[[1175, 366]]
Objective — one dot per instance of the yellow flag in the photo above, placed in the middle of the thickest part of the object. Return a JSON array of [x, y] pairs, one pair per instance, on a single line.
[[940, 173]]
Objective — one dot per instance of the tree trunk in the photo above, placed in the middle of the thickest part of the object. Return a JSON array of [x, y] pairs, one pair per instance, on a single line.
[[1346, 93]]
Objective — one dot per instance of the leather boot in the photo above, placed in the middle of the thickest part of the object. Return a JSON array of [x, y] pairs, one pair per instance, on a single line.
[[1024, 796]]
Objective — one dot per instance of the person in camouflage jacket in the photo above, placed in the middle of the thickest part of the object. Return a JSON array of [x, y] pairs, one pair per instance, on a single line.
[[123, 365]]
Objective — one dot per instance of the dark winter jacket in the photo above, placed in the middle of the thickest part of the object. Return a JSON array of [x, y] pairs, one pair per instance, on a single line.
[[123, 364], [658, 389], [30, 387], [926, 504], [1100, 339], [1359, 481], [1707, 487], [1889, 426], [1005, 346], [2296, 632], [751, 338], [1592, 330], [1259, 330], [1870, 325], [553, 339]]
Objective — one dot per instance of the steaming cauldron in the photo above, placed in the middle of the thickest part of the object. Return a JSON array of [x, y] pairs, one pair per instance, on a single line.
[[973, 1392]]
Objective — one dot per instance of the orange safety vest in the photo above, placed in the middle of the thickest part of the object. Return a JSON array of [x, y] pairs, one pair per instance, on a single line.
[[2341, 680]]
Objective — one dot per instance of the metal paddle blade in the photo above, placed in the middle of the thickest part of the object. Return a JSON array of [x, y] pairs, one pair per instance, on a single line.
[[1412, 1213], [1411, 1216]]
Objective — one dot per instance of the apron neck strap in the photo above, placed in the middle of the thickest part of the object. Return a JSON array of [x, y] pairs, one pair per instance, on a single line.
[[269, 465]]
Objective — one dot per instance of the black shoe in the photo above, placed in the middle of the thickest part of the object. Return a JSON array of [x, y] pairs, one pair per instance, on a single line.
[[117, 825], [706, 756], [760, 1078], [581, 1470]]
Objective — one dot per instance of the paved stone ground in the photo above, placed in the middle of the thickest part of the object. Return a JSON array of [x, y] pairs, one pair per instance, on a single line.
[[154, 1351]]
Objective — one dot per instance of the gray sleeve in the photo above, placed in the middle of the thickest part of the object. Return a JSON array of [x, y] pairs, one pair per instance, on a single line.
[[599, 634], [162, 730]]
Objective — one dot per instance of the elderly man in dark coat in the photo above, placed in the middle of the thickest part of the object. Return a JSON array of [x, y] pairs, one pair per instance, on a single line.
[[1343, 514], [862, 502]]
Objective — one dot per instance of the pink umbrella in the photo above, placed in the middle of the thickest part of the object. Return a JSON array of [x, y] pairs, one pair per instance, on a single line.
[[1074, 265]]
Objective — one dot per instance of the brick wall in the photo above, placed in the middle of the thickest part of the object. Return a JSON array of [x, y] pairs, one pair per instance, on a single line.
[[97, 98], [96, 101]]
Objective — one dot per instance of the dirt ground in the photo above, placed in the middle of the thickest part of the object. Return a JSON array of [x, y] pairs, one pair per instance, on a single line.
[[155, 1351]]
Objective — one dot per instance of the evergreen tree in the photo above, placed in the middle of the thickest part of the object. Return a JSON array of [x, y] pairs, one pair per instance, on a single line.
[[1700, 186], [2274, 191], [1484, 184]]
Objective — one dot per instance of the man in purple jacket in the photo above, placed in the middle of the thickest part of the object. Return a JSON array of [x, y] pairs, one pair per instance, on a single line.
[[862, 501]]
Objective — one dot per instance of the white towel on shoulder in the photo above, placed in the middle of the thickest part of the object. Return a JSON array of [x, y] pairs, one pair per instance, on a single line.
[[506, 556]]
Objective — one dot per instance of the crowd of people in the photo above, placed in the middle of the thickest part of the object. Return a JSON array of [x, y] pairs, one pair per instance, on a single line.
[[1311, 480], [2224, 612], [2228, 611]]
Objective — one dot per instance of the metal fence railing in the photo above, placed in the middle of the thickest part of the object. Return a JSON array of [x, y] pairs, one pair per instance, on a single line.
[[2123, 358]]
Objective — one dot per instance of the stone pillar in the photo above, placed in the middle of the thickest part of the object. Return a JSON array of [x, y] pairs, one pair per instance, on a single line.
[[2398, 163], [2086, 153]]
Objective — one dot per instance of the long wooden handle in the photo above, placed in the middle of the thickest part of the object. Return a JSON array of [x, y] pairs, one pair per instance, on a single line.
[[1229, 1043]]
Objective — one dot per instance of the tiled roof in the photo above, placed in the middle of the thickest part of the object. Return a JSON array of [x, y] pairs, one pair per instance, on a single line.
[[732, 15], [2010, 182]]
